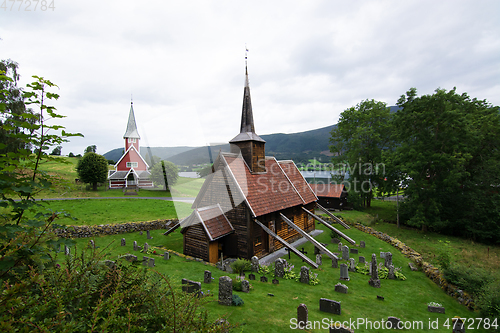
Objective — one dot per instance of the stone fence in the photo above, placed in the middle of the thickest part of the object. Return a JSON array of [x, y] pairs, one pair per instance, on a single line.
[[430, 270], [113, 229]]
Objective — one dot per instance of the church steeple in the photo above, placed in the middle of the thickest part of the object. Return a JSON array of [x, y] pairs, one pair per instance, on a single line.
[[131, 131], [248, 142]]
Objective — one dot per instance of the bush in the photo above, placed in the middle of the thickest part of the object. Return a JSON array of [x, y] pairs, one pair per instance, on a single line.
[[237, 301], [237, 285], [471, 279], [241, 265], [489, 300]]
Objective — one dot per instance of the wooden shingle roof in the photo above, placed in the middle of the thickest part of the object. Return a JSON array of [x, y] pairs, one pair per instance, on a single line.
[[328, 190], [213, 220]]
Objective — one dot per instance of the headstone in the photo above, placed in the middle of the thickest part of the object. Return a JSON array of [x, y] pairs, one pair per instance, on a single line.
[[362, 260], [458, 325], [151, 262], [189, 286], [123, 242], [344, 273], [380, 298], [304, 274], [251, 276], [341, 288], [335, 240], [225, 290], [337, 327], [352, 265], [327, 305], [391, 275], [382, 255], [302, 315], [436, 309], [319, 260], [276, 281], [145, 261], [92, 244], [111, 264], [412, 266], [130, 257], [388, 259], [316, 251], [166, 255], [335, 263], [255, 264], [279, 268], [245, 286], [148, 235], [146, 247], [345, 252], [362, 244], [66, 250], [354, 251], [394, 323], [207, 277], [136, 248], [140, 233], [340, 246], [374, 280], [263, 278]]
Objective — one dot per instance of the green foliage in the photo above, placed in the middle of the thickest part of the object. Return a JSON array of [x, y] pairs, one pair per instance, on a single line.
[[92, 168], [237, 301], [266, 269], [164, 173], [383, 272], [90, 149], [237, 286], [489, 300], [470, 278], [56, 151], [241, 265], [205, 171]]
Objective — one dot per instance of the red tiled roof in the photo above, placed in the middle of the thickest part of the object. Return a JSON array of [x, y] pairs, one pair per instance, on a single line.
[[328, 190], [213, 219], [271, 191], [298, 181]]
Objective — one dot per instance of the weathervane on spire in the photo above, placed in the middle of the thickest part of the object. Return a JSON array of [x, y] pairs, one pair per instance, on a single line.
[[131, 99], [246, 57]]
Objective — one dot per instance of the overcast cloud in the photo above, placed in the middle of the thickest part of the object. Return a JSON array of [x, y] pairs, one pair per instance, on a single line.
[[183, 61]]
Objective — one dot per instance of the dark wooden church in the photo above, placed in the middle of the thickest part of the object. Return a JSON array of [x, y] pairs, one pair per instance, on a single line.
[[251, 204]]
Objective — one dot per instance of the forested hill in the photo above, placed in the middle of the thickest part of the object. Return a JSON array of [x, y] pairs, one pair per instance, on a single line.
[[300, 147]]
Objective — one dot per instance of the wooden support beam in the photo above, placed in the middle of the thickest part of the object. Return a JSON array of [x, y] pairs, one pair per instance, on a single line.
[[328, 225], [335, 218], [177, 225], [282, 241], [309, 238]]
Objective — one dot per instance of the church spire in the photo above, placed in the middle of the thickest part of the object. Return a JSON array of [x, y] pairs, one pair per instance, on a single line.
[[246, 112], [131, 131]]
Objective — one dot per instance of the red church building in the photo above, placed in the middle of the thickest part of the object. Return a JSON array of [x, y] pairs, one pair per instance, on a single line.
[[131, 170]]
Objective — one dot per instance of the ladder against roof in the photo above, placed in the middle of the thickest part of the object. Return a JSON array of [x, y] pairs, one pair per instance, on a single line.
[[335, 218], [329, 226], [308, 237], [285, 243], [177, 225]]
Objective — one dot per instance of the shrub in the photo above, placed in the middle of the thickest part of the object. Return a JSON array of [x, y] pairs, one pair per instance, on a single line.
[[471, 278], [241, 265], [237, 285], [489, 300], [237, 301]]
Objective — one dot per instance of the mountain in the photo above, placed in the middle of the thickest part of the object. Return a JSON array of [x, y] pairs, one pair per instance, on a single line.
[[162, 152]]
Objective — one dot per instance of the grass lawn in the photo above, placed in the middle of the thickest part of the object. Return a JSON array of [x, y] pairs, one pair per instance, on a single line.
[[406, 300]]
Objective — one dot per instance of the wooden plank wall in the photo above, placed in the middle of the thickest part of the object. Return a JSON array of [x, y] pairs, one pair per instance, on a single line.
[[196, 242]]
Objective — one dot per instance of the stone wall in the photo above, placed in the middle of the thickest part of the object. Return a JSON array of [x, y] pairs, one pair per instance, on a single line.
[[113, 229]]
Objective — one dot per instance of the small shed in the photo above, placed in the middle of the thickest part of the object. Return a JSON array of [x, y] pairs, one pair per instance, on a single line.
[[331, 196]]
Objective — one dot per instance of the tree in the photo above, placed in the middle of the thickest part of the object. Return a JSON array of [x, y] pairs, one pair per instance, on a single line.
[[361, 135], [92, 168], [90, 149], [56, 151], [448, 148], [164, 173], [205, 171]]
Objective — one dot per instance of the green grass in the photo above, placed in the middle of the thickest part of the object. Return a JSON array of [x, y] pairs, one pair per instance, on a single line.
[[262, 313]]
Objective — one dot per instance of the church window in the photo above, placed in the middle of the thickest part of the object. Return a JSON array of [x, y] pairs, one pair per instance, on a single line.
[[132, 164], [131, 140]]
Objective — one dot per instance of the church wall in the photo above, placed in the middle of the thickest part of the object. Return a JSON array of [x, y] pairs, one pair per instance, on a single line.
[[196, 242]]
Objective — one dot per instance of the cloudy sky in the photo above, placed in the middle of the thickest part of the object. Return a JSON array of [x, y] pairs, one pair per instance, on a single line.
[[183, 61]]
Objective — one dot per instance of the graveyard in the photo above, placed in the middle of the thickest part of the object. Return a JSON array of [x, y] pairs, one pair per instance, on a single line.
[[272, 307]]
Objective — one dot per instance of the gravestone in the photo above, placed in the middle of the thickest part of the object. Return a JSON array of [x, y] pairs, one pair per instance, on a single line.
[[245, 286], [458, 325], [148, 235], [345, 252], [145, 261], [276, 281], [251, 276], [136, 248], [412, 266], [92, 244], [382, 255], [335, 240], [344, 273], [335, 263], [130, 257], [436, 309], [374, 280], [354, 251], [166, 255], [225, 290], [302, 315], [279, 268], [207, 277], [189, 286], [339, 328], [146, 247], [391, 275], [263, 278], [111, 264], [66, 250], [362, 260], [394, 323], [151, 262], [388, 259], [140, 232], [316, 251], [341, 288], [255, 264], [362, 244], [327, 305], [340, 246], [319, 260], [123, 242], [304, 274], [352, 265]]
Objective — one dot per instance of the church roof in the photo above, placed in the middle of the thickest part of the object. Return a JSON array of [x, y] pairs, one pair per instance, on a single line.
[[213, 220], [328, 190], [131, 131]]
